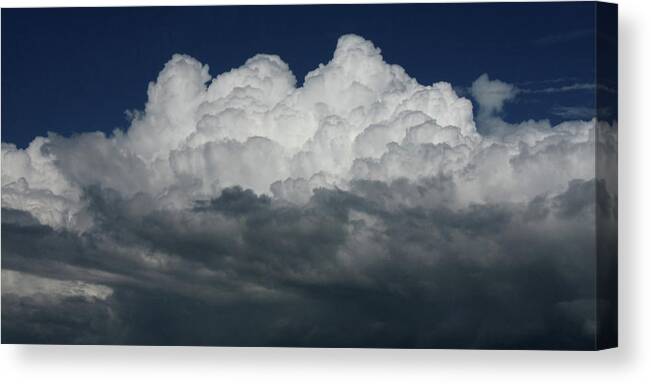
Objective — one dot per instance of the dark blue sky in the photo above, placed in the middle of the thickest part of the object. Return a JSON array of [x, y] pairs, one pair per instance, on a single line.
[[72, 70]]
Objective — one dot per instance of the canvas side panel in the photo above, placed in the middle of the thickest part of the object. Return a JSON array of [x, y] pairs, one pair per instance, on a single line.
[[606, 174]]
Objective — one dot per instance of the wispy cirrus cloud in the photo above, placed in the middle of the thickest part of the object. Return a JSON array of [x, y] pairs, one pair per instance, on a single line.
[[574, 112], [565, 37]]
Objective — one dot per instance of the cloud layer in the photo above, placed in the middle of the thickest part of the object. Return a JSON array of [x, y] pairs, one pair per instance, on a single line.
[[358, 209]]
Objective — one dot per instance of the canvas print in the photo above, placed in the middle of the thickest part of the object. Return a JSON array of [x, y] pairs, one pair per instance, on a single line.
[[367, 176]]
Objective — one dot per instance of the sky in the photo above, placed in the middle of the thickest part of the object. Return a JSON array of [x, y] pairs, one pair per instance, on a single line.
[[430, 176], [81, 69]]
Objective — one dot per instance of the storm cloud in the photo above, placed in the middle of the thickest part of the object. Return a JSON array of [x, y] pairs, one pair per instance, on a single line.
[[361, 209]]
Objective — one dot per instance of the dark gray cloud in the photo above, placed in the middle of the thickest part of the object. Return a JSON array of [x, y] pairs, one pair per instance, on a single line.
[[371, 267]]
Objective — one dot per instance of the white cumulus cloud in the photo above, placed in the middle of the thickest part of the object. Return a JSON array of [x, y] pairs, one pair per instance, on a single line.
[[354, 118]]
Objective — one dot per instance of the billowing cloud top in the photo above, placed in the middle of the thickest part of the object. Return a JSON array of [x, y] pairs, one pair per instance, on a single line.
[[248, 188], [355, 118]]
